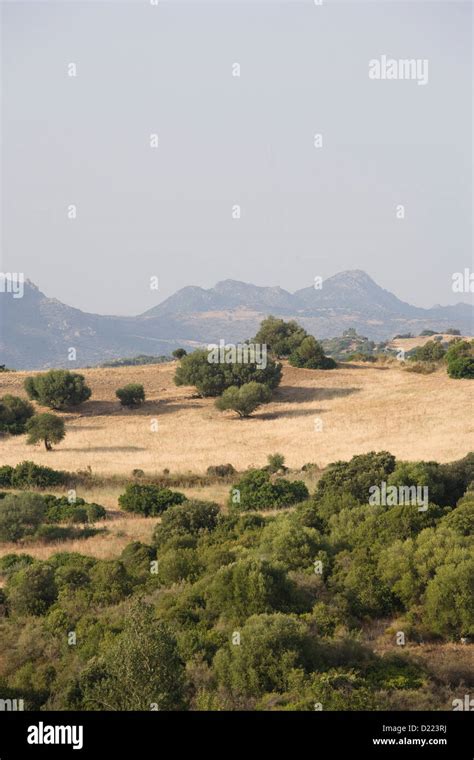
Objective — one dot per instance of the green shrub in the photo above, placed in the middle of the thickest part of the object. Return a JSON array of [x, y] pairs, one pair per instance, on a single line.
[[460, 359], [11, 563], [131, 395], [149, 500], [276, 462], [6, 474], [354, 478], [32, 590], [29, 475], [432, 351], [14, 414], [58, 389], [310, 355], [255, 490], [20, 516], [244, 400], [193, 518]]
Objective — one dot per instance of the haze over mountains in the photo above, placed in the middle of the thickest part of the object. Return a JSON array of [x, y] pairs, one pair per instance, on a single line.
[[37, 332]]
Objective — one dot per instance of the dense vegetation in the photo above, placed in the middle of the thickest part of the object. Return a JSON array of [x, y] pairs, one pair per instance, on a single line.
[[251, 609]]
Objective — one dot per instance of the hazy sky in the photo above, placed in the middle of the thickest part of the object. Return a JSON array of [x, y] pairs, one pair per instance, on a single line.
[[226, 140]]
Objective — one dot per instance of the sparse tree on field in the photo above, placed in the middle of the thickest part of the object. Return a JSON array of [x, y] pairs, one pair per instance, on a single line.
[[244, 400], [131, 395], [179, 353], [46, 428], [58, 389]]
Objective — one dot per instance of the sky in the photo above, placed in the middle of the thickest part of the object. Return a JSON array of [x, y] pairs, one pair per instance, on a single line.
[[167, 212]]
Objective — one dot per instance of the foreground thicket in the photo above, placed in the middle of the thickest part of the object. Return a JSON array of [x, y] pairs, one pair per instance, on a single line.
[[246, 610]]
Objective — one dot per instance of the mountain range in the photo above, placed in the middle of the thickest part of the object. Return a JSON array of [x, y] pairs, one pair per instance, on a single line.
[[36, 332]]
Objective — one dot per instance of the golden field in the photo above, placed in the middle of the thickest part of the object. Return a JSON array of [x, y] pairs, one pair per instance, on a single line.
[[316, 416]]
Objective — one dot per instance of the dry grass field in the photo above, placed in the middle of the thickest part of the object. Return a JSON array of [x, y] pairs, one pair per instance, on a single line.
[[360, 407]]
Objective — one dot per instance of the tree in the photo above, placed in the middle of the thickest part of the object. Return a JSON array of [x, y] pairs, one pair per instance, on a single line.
[[280, 337], [131, 395], [14, 414], [212, 379], [178, 353], [141, 669], [310, 355], [148, 499], [460, 359], [47, 428], [58, 389], [244, 400]]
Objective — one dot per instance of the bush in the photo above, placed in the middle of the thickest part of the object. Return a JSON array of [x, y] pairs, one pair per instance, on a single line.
[[275, 462], [131, 395], [193, 518], [178, 353], [244, 400], [62, 510], [58, 389], [354, 478], [45, 428], [11, 563], [212, 379], [255, 490], [148, 500], [272, 647], [28, 474], [430, 352], [220, 470], [14, 414], [137, 558], [32, 590], [20, 516], [6, 474], [460, 359], [310, 355], [248, 587]]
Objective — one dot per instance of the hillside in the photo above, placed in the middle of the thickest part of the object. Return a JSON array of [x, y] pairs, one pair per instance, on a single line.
[[37, 331]]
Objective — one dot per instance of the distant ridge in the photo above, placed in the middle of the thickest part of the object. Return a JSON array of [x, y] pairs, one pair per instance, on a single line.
[[36, 331]]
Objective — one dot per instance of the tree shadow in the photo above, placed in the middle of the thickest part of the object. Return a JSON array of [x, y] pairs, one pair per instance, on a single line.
[[291, 394], [105, 448]]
